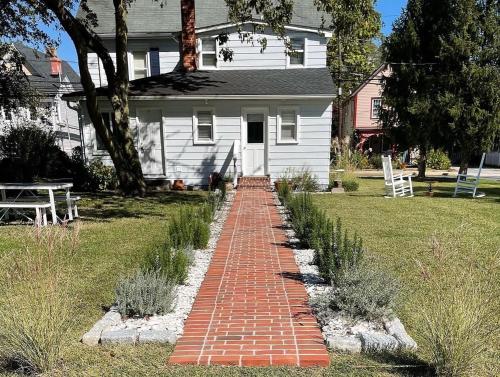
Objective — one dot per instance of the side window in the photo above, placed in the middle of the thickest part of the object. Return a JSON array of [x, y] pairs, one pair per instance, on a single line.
[[106, 117], [204, 125], [154, 61], [288, 124], [208, 53], [298, 55], [376, 105]]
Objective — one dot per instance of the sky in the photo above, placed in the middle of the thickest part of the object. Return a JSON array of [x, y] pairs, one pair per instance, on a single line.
[[389, 9]]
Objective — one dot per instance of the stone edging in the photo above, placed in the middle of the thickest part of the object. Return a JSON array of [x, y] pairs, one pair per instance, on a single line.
[[111, 329], [340, 333]]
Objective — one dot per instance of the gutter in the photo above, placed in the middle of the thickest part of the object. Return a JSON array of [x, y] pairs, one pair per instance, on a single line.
[[218, 97]]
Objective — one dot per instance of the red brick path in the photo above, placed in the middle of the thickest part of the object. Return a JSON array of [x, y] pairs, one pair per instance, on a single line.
[[251, 310]]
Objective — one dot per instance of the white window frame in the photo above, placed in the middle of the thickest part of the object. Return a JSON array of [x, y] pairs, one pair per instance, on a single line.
[[132, 64], [104, 151], [196, 140], [372, 109], [201, 53], [296, 109], [305, 51]]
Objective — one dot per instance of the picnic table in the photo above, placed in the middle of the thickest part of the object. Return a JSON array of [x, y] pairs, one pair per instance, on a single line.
[[27, 197]]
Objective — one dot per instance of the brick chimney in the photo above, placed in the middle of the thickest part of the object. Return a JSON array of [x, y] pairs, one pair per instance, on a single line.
[[55, 62], [188, 40]]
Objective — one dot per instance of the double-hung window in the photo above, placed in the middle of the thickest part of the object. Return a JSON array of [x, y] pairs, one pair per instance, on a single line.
[[376, 105], [140, 63], [208, 53], [99, 146], [204, 125], [297, 57], [288, 125]]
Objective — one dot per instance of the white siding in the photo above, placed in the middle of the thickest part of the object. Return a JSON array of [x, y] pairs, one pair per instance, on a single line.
[[194, 163]]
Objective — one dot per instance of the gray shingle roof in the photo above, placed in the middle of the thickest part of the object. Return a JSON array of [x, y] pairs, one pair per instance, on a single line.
[[277, 82], [39, 66], [147, 16]]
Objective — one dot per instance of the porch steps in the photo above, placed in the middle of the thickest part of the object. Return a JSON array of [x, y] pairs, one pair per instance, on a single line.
[[254, 183]]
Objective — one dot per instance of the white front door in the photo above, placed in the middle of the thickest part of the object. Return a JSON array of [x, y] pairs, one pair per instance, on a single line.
[[254, 142], [150, 141]]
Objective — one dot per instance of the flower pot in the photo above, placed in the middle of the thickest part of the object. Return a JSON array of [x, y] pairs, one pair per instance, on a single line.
[[178, 185]]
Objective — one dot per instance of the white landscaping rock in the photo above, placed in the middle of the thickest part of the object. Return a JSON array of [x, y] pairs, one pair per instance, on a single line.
[[351, 344], [378, 342], [395, 328], [167, 328]]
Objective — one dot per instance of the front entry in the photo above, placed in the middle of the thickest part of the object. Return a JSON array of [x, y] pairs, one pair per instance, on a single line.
[[254, 141], [150, 142]]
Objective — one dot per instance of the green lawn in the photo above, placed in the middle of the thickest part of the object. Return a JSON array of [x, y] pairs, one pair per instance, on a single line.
[[117, 232]]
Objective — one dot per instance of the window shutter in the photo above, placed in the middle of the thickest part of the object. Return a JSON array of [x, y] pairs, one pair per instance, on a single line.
[[154, 60]]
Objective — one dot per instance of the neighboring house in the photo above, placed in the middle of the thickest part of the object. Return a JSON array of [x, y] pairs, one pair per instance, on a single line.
[[194, 114], [361, 112], [51, 77]]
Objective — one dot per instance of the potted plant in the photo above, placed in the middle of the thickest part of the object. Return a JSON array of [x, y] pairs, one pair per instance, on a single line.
[[178, 185]]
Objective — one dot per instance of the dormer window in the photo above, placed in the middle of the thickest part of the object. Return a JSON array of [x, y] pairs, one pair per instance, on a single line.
[[208, 53], [297, 56]]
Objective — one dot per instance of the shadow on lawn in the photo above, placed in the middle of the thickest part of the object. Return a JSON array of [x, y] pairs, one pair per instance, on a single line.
[[105, 206]]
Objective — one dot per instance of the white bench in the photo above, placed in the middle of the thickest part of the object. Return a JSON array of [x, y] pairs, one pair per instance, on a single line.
[[39, 207], [72, 205]]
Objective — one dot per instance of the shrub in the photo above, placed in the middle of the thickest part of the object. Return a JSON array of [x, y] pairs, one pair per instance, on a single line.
[[28, 152], [457, 319], [284, 191], [376, 161], [363, 291], [352, 160], [172, 264], [350, 182], [438, 159], [189, 229], [338, 252], [301, 180], [91, 177], [36, 303], [307, 221], [144, 294]]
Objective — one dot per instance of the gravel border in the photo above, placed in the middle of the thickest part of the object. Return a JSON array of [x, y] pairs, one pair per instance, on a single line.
[[342, 333], [111, 329]]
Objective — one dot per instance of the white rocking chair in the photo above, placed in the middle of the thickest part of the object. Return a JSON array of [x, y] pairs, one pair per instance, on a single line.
[[395, 185], [467, 184]]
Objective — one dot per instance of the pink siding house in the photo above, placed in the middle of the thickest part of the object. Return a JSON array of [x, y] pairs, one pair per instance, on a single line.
[[361, 110]]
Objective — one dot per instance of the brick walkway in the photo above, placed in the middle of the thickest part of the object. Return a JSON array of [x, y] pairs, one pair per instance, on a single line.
[[251, 310]]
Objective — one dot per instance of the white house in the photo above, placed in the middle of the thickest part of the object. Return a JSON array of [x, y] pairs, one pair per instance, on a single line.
[[266, 111], [51, 78]]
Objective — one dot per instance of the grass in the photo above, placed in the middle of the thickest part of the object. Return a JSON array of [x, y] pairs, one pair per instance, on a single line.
[[117, 232], [398, 232]]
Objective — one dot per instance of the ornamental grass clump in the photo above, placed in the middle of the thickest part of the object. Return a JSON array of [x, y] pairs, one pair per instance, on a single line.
[[144, 294], [458, 327], [37, 305], [189, 229]]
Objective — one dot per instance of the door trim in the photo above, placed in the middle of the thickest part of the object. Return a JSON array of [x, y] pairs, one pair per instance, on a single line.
[[162, 138], [243, 134]]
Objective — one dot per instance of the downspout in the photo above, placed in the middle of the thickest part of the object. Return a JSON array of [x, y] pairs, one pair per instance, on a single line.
[[78, 108]]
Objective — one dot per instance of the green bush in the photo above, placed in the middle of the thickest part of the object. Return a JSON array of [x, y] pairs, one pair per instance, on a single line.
[[91, 177], [144, 294], [172, 264], [438, 159], [350, 184], [375, 161], [338, 252], [366, 292], [284, 191], [189, 229], [27, 153], [352, 160]]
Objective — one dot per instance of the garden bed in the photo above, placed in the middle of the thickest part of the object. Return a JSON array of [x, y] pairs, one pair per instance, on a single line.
[[340, 332], [167, 328]]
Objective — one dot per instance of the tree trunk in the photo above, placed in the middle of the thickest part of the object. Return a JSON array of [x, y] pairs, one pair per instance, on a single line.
[[119, 141], [422, 162], [464, 163]]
